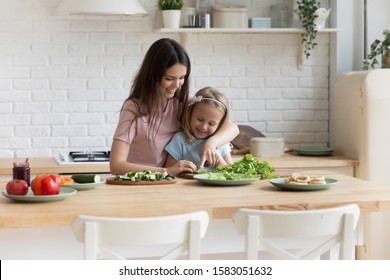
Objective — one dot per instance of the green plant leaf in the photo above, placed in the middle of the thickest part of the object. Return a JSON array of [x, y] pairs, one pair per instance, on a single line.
[[170, 4], [377, 48], [305, 12]]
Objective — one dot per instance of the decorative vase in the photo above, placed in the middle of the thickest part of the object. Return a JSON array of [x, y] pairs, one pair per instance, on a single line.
[[171, 18], [320, 21]]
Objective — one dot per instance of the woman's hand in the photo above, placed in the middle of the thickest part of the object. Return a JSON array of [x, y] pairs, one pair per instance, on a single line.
[[220, 161], [208, 155], [182, 166]]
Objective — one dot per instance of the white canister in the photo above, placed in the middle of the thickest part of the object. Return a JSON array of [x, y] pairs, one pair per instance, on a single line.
[[229, 16], [267, 147]]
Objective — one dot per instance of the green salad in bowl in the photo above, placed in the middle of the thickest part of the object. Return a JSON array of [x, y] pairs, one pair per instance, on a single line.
[[246, 168], [231, 176]]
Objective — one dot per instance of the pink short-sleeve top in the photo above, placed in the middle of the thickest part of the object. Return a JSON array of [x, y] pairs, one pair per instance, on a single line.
[[136, 133]]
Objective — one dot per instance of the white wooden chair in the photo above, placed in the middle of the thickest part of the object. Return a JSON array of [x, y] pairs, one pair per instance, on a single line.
[[99, 233], [325, 228]]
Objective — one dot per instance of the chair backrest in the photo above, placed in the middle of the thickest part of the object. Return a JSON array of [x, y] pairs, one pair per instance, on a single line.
[[265, 229], [97, 233]]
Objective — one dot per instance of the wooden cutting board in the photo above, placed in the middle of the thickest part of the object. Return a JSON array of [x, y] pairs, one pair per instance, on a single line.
[[242, 141], [112, 181], [187, 175]]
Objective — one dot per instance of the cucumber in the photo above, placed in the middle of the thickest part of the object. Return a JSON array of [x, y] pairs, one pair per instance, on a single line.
[[86, 178], [145, 175]]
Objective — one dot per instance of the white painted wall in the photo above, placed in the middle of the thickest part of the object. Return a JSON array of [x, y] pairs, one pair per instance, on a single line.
[[348, 16], [350, 42], [378, 19], [63, 79]]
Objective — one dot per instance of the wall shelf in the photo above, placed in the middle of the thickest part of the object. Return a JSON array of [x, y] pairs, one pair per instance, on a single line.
[[242, 30], [300, 60]]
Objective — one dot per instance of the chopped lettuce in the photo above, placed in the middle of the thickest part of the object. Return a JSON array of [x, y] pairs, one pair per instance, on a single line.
[[231, 176], [248, 165]]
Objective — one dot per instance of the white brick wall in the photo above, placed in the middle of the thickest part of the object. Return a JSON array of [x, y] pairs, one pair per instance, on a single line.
[[63, 79]]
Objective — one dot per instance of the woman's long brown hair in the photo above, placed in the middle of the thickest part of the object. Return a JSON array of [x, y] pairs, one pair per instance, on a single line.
[[146, 91]]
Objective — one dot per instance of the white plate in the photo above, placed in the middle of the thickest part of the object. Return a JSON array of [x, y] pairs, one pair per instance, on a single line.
[[279, 182], [204, 178], [30, 197], [82, 187]]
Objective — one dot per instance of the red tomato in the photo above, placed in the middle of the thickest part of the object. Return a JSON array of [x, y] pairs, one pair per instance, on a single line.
[[46, 185], [17, 187]]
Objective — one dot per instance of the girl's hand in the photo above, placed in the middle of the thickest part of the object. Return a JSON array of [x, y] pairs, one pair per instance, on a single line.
[[185, 166]]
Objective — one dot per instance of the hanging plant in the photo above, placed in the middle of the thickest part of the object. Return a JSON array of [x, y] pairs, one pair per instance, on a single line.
[[306, 13], [379, 48]]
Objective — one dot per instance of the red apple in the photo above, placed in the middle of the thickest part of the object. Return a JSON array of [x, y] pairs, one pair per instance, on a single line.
[[17, 187]]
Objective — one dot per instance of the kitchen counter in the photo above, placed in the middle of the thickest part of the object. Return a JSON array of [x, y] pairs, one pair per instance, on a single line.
[[50, 165], [337, 163]]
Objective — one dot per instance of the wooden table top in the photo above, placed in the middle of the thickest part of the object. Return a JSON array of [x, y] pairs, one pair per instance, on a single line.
[[190, 195], [288, 161]]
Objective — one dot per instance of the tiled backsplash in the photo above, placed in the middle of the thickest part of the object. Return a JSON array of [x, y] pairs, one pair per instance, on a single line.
[[63, 79]]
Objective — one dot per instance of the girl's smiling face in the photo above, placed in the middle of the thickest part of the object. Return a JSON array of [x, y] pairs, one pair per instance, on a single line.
[[205, 119], [173, 79]]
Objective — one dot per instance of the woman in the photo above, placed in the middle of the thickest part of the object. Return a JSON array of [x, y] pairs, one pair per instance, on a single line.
[[152, 114]]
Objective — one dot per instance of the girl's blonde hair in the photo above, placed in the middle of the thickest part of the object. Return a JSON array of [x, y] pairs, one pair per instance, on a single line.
[[210, 96]]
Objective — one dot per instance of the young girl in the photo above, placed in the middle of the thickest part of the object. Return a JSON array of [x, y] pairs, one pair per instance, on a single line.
[[152, 114], [207, 112]]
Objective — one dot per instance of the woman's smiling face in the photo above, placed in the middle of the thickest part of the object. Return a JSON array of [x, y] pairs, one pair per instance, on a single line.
[[173, 79], [205, 119]]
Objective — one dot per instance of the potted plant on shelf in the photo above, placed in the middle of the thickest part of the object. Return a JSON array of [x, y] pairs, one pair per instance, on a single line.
[[171, 12], [379, 48], [306, 12]]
